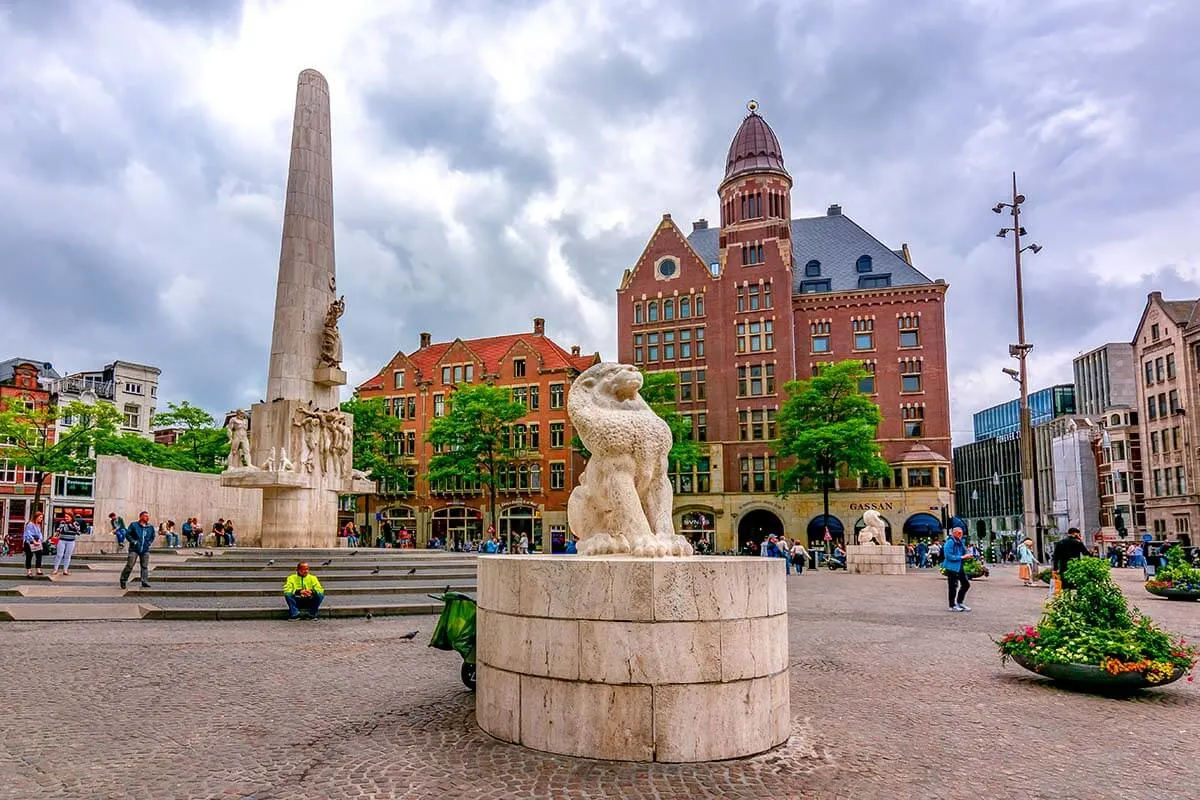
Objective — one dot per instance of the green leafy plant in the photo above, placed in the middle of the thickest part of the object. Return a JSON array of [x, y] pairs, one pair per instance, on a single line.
[[1093, 624], [1178, 574]]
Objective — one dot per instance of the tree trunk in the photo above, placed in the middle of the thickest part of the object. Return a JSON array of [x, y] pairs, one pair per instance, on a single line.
[[37, 499], [825, 518], [492, 504]]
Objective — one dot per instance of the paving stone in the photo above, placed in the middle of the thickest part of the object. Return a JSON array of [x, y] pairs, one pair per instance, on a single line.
[[891, 697]]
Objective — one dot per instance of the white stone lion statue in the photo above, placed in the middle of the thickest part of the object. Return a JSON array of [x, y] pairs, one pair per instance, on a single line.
[[874, 529], [623, 501]]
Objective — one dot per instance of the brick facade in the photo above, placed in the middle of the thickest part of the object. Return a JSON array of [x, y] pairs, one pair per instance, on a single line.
[[726, 309], [416, 387], [19, 387]]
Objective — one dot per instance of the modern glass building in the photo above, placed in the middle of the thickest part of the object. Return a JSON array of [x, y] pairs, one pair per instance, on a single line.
[[1044, 405]]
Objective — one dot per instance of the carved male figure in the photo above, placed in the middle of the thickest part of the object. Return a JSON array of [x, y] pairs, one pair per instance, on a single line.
[[309, 423], [331, 339], [239, 440], [623, 501]]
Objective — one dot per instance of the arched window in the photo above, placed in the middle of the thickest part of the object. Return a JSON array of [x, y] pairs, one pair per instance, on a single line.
[[637, 314], [863, 264], [812, 269], [652, 311], [685, 307], [668, 309]]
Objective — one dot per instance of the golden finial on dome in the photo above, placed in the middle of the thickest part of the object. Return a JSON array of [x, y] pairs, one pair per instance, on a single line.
[[752, 105]]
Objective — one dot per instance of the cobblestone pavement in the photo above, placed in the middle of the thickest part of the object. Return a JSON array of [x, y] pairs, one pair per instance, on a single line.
[[892, 696]]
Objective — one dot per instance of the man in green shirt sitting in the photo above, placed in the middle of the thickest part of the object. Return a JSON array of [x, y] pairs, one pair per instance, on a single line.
[[303, 592]]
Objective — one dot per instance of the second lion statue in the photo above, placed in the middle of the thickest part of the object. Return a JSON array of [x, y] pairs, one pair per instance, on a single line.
[[622, 504]]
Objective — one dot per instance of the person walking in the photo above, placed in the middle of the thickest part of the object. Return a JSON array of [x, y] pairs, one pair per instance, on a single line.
[[798, 555], [954, 553], [1028, 563], [32, 542], [67, 531], [1069, 548], [140, 536]]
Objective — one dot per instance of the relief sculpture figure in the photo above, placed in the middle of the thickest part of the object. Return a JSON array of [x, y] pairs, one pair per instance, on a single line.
[[309, 423], [239, 440], [331, 338]]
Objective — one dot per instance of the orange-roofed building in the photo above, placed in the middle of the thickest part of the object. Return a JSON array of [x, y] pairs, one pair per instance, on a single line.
[[533, 498]]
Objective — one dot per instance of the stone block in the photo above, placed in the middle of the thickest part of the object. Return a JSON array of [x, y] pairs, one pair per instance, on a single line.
[[498, 703], [713, 588], [752, 648], [499, 584], [583, 587], [329, 376], [649, 652], [592, 720], [529, 645], [714, 721]]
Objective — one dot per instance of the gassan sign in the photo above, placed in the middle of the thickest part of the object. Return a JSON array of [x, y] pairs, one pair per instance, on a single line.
[[872, 506]]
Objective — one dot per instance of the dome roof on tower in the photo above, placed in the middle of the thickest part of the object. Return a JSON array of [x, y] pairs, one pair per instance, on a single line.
[[754, 148]]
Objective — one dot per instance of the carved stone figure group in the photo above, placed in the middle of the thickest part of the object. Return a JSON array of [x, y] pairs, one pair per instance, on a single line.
[[326, 439]]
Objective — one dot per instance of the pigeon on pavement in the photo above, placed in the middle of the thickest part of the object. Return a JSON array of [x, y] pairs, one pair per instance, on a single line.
[[354, 553], [411, 571], [375, 571], [327, 562], [408, 637], [270, 562], [103, 552], [369, 615]]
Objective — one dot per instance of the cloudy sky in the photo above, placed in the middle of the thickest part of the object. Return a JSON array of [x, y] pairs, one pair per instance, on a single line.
[[508, 160]]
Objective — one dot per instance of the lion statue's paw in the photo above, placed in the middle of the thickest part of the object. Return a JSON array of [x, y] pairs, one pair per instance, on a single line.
[[676, 544], [649, 546], [603, 544]]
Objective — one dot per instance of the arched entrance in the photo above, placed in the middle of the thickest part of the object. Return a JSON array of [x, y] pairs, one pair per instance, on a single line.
[[458, 525], [922, 526], [887, 528], [399, 526], [817, 527], [516, 521], [755, 526]]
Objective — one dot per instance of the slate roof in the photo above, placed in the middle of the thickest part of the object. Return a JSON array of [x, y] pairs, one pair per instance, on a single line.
[[490, 350], [1180, 310], [837, 242], [44, 369]]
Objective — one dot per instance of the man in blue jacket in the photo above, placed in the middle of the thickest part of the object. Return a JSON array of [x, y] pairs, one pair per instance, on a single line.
[[953, 555], [140, 536]]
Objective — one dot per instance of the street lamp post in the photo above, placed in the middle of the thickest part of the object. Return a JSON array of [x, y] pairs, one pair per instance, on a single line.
[[1020, 351]]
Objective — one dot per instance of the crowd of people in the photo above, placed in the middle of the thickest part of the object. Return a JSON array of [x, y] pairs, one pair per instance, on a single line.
[[189, 535]]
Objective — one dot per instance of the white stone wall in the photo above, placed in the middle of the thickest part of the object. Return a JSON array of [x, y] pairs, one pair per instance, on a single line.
[[128, 488]]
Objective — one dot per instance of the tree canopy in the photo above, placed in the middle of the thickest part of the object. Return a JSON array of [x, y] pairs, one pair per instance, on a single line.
[[375, 432], [827, 424], [472, 439], [199, 435], [31, 441]]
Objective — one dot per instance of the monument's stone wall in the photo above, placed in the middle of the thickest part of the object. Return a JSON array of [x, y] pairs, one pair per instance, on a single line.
[[127, 488], [871, 559]]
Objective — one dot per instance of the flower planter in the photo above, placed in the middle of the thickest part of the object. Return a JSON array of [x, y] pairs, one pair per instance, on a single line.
[[1089, 676], [1174, 594]]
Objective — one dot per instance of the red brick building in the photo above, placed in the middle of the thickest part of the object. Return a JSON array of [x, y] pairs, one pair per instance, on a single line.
[[21, 387], [740, 309], [533, 499]]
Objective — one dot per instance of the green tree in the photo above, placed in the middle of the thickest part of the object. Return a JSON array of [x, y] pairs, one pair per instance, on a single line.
[[828, 425], [375, 433], [31, 440], [200, 436], [660, 390], [140, 450], [472, 439]]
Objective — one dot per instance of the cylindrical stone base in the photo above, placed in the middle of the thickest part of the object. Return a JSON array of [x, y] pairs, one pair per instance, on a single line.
[[874, 559], [634, 659]]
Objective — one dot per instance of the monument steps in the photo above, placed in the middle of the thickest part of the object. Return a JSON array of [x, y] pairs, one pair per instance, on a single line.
[[276, 613]]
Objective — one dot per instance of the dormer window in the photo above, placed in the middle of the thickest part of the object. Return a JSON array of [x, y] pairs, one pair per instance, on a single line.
[[812, 269], [518, 367], [863, 264], [874, 281]]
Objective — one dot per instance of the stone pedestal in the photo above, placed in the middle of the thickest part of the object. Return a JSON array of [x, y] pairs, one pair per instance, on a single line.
[[634, 659], [873, 559]]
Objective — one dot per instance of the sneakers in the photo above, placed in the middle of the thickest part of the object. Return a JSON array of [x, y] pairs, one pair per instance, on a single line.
[[962, 607], [954, 608], [122, 584], [293, 619]]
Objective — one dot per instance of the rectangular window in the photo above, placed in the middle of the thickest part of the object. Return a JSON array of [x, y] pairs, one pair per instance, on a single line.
[[8, 471], [520, 394], [701, 427], [867, 385], [132, 416], [412, 407], [1149, 373], [685, 343], [1162, 404], [1175, 439], [458, 373], [700, 391], [558, 434], [439, 405], [874, 281], [668, 345], [668, 309], [1154, 442], [864, 334], [534, 401], [445, 376], [910, 375], [1159, 374], [699, 305], [1170, 366], [816, 286], [914, 421], [398, 379], [1158, 486], [685, 385], [1151, 408], [1154, 333], [518, 368], [637, 314], [699, 342], [535, 441], [133, 388], [919, 477], [558, 393], [558, 475], [753, 297], [1180, 481], [1173, 400]]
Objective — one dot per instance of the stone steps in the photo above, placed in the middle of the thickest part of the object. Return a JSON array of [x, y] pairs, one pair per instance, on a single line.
[[279, 613]]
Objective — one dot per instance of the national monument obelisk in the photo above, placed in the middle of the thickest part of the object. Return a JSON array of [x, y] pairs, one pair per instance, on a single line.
[[300, 443]]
